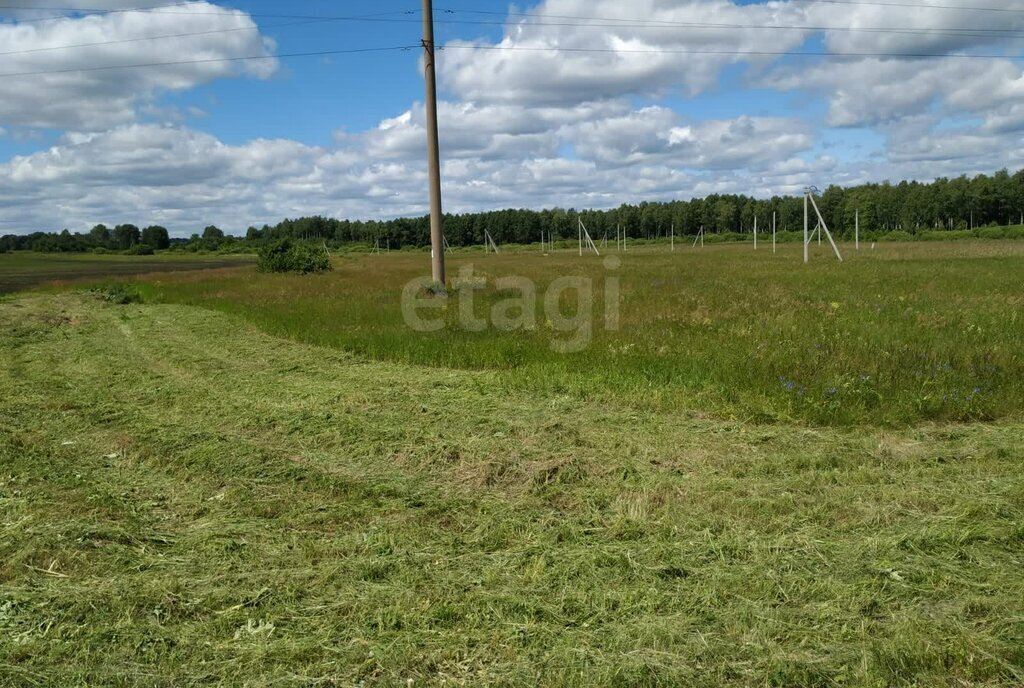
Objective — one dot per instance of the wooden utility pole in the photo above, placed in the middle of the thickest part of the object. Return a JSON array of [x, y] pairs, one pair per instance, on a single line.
[[433, 146]]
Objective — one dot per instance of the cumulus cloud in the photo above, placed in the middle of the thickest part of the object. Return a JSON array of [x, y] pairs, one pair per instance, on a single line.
[[484, 131], [911, 28], [184, 178], [562, 110], [677, 47], [659, 134], [875, 91], [50, 93]]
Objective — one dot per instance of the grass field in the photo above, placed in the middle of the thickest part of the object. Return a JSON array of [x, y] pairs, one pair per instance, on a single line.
[[24, 270], [897, 335], [187, 497]]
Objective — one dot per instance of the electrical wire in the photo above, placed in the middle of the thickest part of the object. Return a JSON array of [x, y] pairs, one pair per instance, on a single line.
[[916, 6], [303, 20], [604, 22], [189, 34], [740, 53], [854, 3], [315, 53], [751, 53], [85, 12], [82, 12]]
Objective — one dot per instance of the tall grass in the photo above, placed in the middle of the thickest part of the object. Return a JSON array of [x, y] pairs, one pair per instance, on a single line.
[[900, 334]]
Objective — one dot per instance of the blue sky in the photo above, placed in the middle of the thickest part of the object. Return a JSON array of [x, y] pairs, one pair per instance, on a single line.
[[679, 100]]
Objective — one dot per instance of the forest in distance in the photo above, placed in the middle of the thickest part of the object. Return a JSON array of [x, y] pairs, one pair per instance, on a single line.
[[903, 210]]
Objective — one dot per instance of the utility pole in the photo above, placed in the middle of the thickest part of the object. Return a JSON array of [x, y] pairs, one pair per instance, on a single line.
[[773, 232], [822, 226], [807, 220], [433, 147]]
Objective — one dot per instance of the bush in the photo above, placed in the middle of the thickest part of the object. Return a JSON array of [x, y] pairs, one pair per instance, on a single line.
[[140, 250], [991, 233], [897, 235], [726, 237], [287, 256], [945, 235]]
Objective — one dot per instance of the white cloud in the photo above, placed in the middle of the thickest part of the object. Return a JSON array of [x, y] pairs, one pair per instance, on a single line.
[[522, 127], [913, 28], [657, 134], [534, 63], [63, 98], [184, 179], [876, 91], [484, 131]]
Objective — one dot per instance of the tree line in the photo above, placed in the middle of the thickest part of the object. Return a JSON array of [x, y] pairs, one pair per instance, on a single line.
[[126, 238], [909, 207]]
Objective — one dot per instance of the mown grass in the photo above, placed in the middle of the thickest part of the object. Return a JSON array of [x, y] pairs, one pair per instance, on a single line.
[[901, 334], [186, 500], [22, 270]]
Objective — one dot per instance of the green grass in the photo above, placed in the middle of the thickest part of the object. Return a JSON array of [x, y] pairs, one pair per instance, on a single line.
[[188, 500], [898, 335], [21, 270]]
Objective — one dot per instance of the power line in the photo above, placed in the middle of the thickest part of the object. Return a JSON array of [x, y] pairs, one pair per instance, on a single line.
[[752, 53], [608, 22], [614, 23], [605, 21], [748, 53], [85, 12], [878, 3], [870, 3], [620, 23], [82, 12], [315, 53], [189, 34]]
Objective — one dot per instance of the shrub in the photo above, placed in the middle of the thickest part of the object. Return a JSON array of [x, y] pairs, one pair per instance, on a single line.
[[287, 256], [945, 235], [140, 250], [897, 235], [725, 237], [991, 233]]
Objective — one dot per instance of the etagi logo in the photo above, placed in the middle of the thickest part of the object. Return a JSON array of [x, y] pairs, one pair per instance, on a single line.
[[575, 294]]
